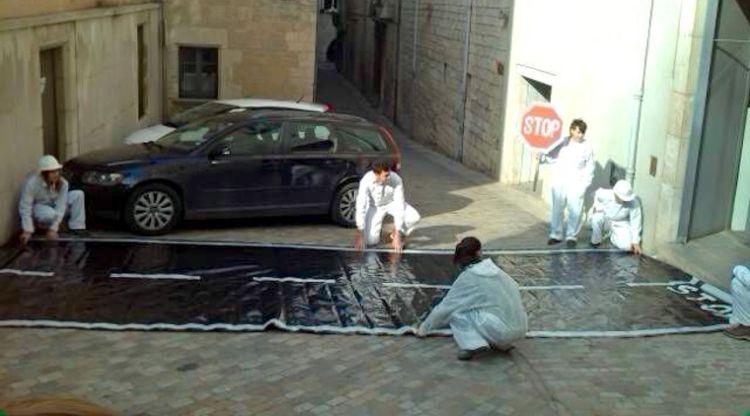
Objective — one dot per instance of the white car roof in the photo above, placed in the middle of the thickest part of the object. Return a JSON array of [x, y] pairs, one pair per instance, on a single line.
[[264, 103]]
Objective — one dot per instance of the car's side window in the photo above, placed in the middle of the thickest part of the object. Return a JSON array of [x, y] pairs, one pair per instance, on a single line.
[[359, 140], [310, 137], [257, 139]]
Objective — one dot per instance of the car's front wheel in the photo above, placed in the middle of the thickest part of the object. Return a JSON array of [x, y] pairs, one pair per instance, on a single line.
[[153, 209], [344, 206]]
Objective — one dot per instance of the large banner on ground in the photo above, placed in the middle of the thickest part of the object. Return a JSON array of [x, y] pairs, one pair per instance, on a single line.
[[189, 286]]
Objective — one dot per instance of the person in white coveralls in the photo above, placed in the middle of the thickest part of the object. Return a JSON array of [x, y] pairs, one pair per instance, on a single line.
[[617, 211], [740, 318], [46, 200], [381, 193], [483, 306], [572, 170]]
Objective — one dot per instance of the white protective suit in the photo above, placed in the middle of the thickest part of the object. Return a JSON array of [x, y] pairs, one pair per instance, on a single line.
[[740, 296], [483, 308], [622, 220], [571, 174], [375, 200]]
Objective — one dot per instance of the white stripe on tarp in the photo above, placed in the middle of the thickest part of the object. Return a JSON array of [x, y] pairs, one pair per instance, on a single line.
[[292, 280], [416, 285], [553, 287], [647, 284], [447, 251], [27, 272], [345, 330], [156, 276]]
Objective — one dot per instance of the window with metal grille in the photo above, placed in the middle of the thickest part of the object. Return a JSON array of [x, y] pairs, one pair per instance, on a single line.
[[199, 72]]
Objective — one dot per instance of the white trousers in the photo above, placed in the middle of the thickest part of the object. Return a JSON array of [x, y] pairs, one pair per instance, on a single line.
[[75, 208], [620, 235], [374, 221], [570, 197], [476, 329], [740, 303]]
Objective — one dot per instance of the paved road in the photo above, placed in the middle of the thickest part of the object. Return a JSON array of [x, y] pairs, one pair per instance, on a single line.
[[147, 373]]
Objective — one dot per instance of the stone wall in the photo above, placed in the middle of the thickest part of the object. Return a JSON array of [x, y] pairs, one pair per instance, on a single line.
[[266, 47]]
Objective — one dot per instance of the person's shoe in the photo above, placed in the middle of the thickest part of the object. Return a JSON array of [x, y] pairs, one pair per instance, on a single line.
[[571, 244], [738, 332], [465, 355], [503, 349], [595, 245], [553, 241]]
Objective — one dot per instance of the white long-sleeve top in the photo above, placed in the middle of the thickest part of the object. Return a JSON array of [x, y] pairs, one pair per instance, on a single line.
[[625, 218], [376, 195], [36, 191], [574, 164]]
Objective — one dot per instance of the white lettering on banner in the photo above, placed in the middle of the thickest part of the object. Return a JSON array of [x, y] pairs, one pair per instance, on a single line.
[[723, 311], [706, 301], [540, 126]]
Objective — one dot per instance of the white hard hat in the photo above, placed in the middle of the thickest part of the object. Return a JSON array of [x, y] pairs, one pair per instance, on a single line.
[[48, 162], [624, 191]]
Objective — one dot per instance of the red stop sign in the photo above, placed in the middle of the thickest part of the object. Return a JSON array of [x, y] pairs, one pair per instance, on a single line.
[[541, 127]]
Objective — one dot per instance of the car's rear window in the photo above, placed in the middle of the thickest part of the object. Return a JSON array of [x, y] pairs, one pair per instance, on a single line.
[[360, 140]]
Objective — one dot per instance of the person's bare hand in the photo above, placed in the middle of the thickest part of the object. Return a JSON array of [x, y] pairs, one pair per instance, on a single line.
[[636, 248], [359, 243], [397, 242], [25, 237], [52, 235]]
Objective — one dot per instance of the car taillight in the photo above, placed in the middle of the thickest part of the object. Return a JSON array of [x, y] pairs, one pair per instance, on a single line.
[[327, 108]]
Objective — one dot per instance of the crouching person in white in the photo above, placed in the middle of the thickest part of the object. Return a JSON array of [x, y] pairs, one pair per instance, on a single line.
[[740, 319], [483, 307], [617, 211], [46, 199], [381, 193]]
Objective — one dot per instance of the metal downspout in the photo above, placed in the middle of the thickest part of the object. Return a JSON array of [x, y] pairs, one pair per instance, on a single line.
[[633, 146]]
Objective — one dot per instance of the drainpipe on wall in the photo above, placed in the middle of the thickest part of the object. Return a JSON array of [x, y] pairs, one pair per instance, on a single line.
[[633, 146], [462, 93]]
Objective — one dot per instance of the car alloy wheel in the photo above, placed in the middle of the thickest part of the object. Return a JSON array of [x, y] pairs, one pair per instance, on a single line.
[[153, 210], [348, 205]]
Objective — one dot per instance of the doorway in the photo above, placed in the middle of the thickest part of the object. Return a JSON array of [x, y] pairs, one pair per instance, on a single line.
[[719, 160], [51, 80]]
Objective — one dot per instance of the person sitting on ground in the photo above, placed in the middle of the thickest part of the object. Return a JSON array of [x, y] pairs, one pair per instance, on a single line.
[[381, 193], [483, 306], [46, 199], [617, 211], [740, 319]]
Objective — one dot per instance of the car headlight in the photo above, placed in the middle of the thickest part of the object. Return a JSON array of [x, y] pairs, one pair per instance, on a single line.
[[101, 178]]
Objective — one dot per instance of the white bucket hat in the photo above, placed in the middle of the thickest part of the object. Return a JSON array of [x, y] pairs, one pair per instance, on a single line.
[[48, 163], [624, 191]]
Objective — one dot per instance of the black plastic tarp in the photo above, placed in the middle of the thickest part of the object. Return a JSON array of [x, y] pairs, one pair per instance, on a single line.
[[128, 285]]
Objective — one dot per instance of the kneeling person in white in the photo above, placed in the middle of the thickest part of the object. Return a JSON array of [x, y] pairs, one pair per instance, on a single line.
[[46, 199], [617, 211], [381, 193], [483, 306]]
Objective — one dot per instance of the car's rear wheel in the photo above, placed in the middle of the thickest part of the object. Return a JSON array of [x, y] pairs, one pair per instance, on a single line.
[[344, 206], [153, 209]]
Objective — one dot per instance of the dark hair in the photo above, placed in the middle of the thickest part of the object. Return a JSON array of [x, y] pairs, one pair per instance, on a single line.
[[580, 124], [467, 251], [380, 167]]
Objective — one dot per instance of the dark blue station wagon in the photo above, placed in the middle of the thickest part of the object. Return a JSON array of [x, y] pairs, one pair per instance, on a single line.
[[275, 163]]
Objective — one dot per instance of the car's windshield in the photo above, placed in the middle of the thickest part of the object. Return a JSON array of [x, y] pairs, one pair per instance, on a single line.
[[199, 112], [193, 135]]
